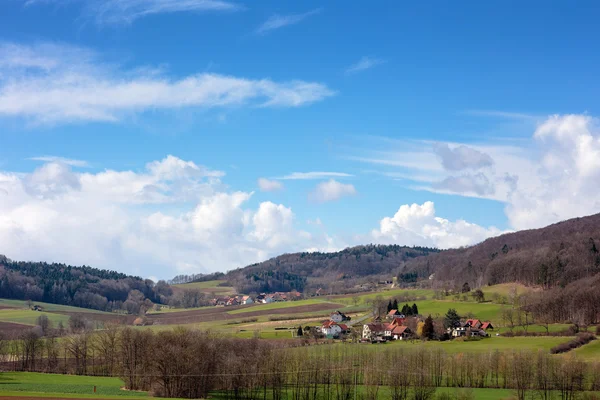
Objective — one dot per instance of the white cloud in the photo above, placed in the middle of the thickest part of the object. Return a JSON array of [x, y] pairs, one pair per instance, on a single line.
[[314, 175], [331, 190], [551, 177], [51, 83], [61, 160], [269, 185], [417, 224], [461, 157], [363, 64], [127, 11], [477, 184], [173, 216], [279, 21]]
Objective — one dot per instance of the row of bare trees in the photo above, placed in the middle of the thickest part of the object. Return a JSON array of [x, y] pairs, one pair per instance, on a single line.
[[192, 364]]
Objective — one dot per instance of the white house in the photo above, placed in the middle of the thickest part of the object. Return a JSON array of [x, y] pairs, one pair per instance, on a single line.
[[246, 300], [338, 317], [330, 328]]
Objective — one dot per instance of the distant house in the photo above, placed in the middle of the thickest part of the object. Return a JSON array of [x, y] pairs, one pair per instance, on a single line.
[[221, 301], [374, 331], [37, 308], [487, 326], [338, 317], [466, 331], [330, 328], [401, 332], [232, 301], [246, 300], [472, 323], [393, 314]]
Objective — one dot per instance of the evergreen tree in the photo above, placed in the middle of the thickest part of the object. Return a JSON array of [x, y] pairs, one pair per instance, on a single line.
[[451, 319], [389, 307], [428, 330], [300, 332], [414, 309], [395, 304]]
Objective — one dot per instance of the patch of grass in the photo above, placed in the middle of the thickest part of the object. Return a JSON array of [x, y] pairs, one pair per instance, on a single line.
[[590, 351], [29, 317], [487, 344], [29, 382], [278, 306], [48, 307], [211, 287], [482, 311]]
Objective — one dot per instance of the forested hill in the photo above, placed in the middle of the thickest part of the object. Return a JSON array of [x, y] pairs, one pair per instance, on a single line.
[[78, 286], [552, 256], [344, 270]]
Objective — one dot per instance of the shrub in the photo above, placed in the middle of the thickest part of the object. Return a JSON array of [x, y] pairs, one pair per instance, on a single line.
[[581, 339]]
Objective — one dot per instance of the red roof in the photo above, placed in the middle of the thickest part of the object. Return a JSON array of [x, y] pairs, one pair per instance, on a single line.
[[487, 325], [393, 312], [473, 322], [399, 330]]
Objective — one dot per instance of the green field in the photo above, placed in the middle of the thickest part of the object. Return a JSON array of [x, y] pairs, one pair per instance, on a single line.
[[208, 287], [28, 383], [29, 317], [278, 306], [48, 307], [590, 351], [488, 344]]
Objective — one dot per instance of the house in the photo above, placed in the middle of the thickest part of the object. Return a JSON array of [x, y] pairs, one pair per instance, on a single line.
[[466, 331], [458, 331], [338, 317], [221, 301], [264, 298], [332, 329], [487, 325], [37, 308], [375, 331], [401, 332], [472, 323], [232, 301], [246, 300], [395, 314]]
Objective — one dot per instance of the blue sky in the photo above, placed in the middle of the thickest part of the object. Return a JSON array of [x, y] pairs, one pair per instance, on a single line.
[[481, 114]]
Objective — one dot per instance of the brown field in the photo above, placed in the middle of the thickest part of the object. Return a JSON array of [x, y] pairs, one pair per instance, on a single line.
[[90, 316], [220, 313], [11, 327]]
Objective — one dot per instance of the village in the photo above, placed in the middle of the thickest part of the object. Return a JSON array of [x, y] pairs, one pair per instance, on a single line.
[[263, 298], [398, 326]]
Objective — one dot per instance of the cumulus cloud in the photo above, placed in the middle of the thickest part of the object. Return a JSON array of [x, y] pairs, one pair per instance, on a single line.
[[53, 83], [127, 11], [363, 64], [478, 184], [417, 224], [547, 178], [279, 21], [269, 185], [331, 190], [461, 157], [173, 216]]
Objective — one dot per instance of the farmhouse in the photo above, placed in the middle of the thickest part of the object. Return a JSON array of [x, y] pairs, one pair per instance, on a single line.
[[400, 332], [245, 300], [473, 323], [339, 316], [332, 329], [374, 331]]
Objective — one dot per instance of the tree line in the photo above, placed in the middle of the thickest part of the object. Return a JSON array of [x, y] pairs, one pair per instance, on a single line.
[[79, 286], [193, 364]]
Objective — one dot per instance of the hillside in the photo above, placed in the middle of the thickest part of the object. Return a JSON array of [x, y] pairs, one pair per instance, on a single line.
[[78, 286], [341, 271], [552, 256]]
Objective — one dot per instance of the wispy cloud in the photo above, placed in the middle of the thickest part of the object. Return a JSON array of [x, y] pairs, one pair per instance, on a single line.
[[314, 175], [105, 12], [503, 114], [53, 83], [279, 21], [61, 160], [364, 64]]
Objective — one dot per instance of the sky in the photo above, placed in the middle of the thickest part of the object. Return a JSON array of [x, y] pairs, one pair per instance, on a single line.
[[165, 137]]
